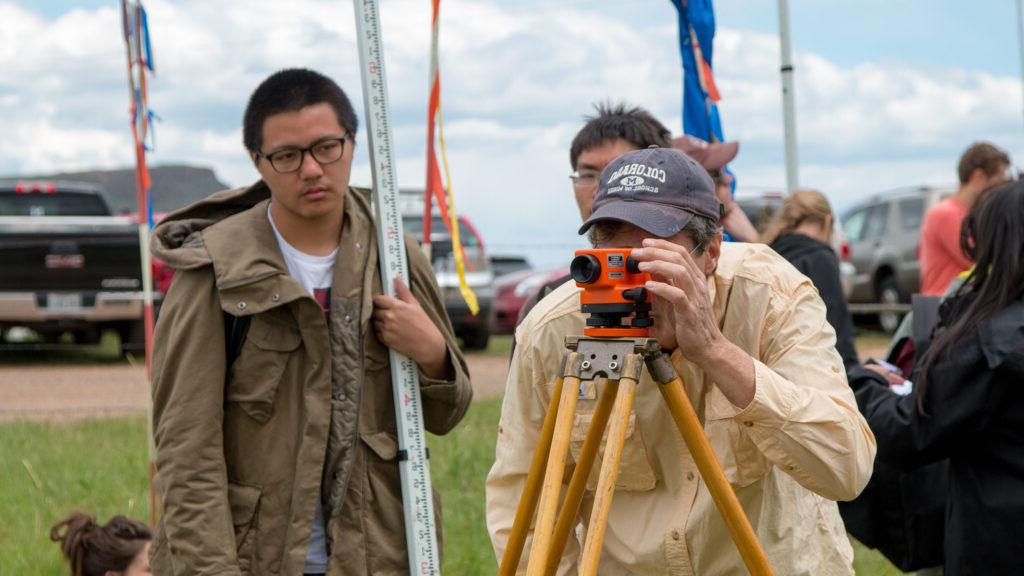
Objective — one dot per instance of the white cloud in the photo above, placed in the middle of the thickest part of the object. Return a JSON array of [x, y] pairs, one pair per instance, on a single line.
[[515, 85]]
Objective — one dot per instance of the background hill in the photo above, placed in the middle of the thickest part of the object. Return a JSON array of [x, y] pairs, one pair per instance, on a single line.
[[174, 186]]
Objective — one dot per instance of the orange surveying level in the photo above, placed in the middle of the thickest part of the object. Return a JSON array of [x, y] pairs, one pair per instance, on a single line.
[[613, 288]]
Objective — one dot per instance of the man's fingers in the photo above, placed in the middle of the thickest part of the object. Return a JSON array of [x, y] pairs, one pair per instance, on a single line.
[[672, 294], [403, 292], [674, 274]]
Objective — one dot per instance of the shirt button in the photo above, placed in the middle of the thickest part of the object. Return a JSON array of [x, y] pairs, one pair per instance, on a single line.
[[275, 296], [675, 534], [835, 369], [241, 305], [689, 476]]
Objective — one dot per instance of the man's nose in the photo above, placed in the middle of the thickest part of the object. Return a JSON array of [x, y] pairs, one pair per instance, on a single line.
[[310, 168]]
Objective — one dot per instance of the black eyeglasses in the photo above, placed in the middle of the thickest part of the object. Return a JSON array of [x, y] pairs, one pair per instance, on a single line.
[[324, 151]]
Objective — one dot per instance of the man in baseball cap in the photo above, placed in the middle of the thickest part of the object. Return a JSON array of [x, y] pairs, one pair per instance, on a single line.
[[748, 335]]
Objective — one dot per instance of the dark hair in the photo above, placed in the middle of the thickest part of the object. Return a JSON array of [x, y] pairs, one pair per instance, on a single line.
[[289, 91], [993, 237], [619, 122], [699, 229], [984, 156], [93, 550]]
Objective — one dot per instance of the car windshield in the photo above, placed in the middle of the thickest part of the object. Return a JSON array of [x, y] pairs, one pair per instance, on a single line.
[[55, 204]]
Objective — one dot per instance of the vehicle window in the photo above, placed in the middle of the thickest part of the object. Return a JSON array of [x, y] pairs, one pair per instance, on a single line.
[[59, 204], [911, 213], [414, 225], [854, 225], [875, 224]]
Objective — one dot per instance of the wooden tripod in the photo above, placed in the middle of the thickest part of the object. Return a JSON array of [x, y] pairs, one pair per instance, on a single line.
[[621, 361]]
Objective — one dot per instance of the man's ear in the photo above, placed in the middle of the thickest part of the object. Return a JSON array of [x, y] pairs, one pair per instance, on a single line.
[[713, 252]]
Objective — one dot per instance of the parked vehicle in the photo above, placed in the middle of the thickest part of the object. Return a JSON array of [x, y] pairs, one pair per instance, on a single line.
[[503, 265], [884, 233], [68, 265], [512, 290], [475, 330]]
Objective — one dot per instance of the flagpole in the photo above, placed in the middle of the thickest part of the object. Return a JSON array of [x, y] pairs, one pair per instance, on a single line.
[[1020, 43], [788, 107], [132, 22]]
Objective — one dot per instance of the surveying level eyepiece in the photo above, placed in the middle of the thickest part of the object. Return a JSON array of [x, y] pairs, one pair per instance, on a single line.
[[613, 289]]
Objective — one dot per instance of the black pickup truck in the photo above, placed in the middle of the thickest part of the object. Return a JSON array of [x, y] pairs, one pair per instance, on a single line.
[[68, 265]]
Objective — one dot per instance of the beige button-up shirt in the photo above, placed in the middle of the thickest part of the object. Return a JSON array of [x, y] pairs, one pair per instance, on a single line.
[[800, 445]]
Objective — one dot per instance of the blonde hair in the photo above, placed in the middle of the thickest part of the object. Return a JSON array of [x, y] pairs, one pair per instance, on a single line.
[[800, 206]]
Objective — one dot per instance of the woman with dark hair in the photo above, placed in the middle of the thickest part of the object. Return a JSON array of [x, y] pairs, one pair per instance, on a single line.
[[118, 548], [802, 234], [968, 401]]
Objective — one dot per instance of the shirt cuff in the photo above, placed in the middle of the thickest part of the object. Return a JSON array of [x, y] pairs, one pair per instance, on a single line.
[[774, 399]]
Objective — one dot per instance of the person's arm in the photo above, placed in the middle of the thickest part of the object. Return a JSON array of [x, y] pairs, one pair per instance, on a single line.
[[535, 363], [792, 399], [960, 397], [444, 376], [188, 411], [737, 225]]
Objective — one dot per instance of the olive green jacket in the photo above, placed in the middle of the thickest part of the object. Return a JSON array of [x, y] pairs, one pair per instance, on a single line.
[[244, 451]]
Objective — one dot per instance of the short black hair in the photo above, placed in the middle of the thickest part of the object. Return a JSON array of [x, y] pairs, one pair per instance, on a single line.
[[291, 90], [619, 122]]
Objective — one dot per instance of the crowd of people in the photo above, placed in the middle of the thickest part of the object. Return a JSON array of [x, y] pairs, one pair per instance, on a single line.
[[284, 458]]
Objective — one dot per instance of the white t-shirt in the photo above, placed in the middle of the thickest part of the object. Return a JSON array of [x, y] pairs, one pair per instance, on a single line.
[[314, 273]]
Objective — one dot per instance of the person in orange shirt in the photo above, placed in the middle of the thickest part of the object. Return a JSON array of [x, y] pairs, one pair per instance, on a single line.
[[982, 167]]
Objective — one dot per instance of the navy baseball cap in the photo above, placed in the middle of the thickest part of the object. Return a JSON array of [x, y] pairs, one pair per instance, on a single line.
[[656, 189]]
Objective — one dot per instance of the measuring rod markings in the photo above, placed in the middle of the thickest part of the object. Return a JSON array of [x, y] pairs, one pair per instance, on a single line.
[[413, 466]]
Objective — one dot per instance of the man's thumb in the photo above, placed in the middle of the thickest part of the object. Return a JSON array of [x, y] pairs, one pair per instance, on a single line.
[[402, 291]]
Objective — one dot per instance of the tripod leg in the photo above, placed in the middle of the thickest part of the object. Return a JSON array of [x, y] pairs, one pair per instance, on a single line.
[[711, 471], [555, 470], [610, 465], [578, 483], [528, 500]]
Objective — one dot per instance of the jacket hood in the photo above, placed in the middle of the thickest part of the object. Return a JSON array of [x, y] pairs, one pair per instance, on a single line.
[[792, 246], [177, 239]]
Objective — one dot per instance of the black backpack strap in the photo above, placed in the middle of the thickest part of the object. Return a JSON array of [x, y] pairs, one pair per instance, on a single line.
[[235, 329]]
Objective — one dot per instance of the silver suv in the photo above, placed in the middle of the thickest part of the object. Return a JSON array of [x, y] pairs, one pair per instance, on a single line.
[[884, 233]]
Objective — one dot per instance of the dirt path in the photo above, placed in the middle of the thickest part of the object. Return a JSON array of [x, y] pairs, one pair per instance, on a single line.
[[77, 391], [69, 392]]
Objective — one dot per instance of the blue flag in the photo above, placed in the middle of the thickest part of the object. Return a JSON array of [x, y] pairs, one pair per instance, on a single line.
[[700, 95]]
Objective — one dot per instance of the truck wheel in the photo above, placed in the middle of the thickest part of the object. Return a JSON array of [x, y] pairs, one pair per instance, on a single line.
[[889, 293], [477, 339]]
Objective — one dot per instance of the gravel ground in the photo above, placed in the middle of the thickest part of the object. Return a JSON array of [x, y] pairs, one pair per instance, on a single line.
[[68, 392], [59, 392]]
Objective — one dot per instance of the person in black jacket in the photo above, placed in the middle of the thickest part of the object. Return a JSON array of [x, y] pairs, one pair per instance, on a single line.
[[968, 399], [801, 233]]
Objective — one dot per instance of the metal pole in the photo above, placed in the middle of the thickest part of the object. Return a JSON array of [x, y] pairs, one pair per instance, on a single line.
[[788, 108], [1020, 42]]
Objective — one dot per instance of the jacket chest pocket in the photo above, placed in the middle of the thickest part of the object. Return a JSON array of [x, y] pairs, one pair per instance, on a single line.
[[256, 374], [635, 472]]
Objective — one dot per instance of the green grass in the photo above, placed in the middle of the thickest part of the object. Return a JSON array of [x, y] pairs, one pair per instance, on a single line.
[[100, 467], [49, 470]]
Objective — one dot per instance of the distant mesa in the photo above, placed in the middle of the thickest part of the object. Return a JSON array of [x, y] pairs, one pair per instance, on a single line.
[[174, 186]]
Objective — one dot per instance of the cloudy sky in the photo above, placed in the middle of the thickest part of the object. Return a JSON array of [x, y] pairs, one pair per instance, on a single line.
[[886, 95]]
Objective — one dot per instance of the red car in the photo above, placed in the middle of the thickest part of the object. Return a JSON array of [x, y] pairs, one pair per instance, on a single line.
[[512, 290]]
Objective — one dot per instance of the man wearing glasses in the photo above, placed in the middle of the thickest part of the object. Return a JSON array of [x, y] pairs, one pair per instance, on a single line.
[[279, 455]]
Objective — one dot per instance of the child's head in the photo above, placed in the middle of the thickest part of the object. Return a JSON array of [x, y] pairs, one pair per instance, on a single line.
[[121, 546]]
